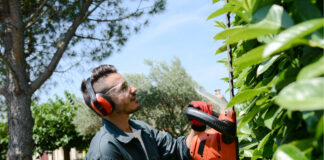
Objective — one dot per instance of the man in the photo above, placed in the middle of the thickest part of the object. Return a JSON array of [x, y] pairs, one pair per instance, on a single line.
[[120, 138]]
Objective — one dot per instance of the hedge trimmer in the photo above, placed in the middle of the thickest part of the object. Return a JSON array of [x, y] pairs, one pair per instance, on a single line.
[[219, 142]]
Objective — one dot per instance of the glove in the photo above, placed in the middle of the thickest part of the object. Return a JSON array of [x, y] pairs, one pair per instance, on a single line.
[[202, 106]]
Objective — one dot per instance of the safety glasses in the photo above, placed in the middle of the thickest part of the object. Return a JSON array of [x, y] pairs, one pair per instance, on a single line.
[[119, 90]]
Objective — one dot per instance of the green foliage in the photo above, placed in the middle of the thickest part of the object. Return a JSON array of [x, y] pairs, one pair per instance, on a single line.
[[250, 58], [312, 70], [289, 152], [4, 137], [291, 36], [87, 123], [275, 18], [303, 95], [52, 129], [223, 10], [246, 95], [277, 58], [53, 126], [163, 96], [220, 24]]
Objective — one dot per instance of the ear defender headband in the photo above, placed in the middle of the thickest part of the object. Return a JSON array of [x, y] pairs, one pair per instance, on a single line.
[[100, 103]]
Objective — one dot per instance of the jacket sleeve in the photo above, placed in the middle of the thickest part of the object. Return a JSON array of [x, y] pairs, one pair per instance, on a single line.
[[169, 147]]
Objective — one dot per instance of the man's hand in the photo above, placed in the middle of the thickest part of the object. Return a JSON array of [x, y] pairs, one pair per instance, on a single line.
[[202, 106]]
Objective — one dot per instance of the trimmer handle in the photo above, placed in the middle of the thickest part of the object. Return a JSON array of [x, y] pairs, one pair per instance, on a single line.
[[221, 123]]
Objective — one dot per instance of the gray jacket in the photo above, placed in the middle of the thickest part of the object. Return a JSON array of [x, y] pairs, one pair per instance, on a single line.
[[111, 143]]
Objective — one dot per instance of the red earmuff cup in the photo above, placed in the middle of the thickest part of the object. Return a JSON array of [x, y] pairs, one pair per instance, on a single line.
[[104, 104], [95, 108]]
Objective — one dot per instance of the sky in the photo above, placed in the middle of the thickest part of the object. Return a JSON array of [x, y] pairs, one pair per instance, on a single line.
[[180, 31]]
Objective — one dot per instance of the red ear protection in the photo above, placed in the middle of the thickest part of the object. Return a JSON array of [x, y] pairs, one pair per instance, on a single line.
[[100, 103]]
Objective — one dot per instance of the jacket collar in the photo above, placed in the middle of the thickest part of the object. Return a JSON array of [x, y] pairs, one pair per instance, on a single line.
[[118, 133]]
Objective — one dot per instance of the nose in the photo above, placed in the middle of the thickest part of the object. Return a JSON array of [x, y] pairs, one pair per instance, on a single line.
[[133, 89]]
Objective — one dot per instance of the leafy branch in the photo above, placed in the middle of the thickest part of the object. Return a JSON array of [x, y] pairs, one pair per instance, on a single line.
[[37, 17], [114, 20], [119, 18], [70, 67], [63, 45], [36, 14], [91, 38]]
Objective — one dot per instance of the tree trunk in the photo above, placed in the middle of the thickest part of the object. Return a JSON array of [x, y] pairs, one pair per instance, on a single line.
[[18, 93], [66, 152], [20, 126]]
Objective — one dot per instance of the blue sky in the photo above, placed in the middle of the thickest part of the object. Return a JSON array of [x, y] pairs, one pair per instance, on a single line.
[[182, 31]]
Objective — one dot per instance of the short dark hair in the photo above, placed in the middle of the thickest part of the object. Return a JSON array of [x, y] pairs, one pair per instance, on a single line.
[[97, 73]]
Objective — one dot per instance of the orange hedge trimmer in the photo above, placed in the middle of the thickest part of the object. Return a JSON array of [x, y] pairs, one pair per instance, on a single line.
[[219, 142]]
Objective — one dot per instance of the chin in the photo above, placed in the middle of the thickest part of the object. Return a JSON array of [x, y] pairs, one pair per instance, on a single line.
[[136, 108]]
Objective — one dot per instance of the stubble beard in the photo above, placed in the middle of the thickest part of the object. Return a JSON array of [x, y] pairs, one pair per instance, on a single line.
[[127, 109], [134, 109]]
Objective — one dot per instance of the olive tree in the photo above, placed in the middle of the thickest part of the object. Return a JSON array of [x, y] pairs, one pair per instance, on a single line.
[[163, 96]]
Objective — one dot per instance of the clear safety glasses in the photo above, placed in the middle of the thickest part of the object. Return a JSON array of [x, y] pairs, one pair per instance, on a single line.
[[119, 90]]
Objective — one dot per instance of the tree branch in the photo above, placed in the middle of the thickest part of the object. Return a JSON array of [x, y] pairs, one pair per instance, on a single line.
[[2, 90], [63, 71], [229, 55], [91, 11], [91, 38], [73, 65], [34, 20], [62, 45], [113, 20], [36, 13], [120, 18], [11, 70]]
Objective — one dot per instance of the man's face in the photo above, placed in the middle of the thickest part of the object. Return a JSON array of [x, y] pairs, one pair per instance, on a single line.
[[122, 93]]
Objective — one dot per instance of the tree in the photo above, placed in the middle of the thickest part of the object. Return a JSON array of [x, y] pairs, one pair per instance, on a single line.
[[54, 128], [36, 35], [277, 56], [163, 96]]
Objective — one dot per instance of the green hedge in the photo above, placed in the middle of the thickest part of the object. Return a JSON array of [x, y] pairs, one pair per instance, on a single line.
[[278, 73]]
